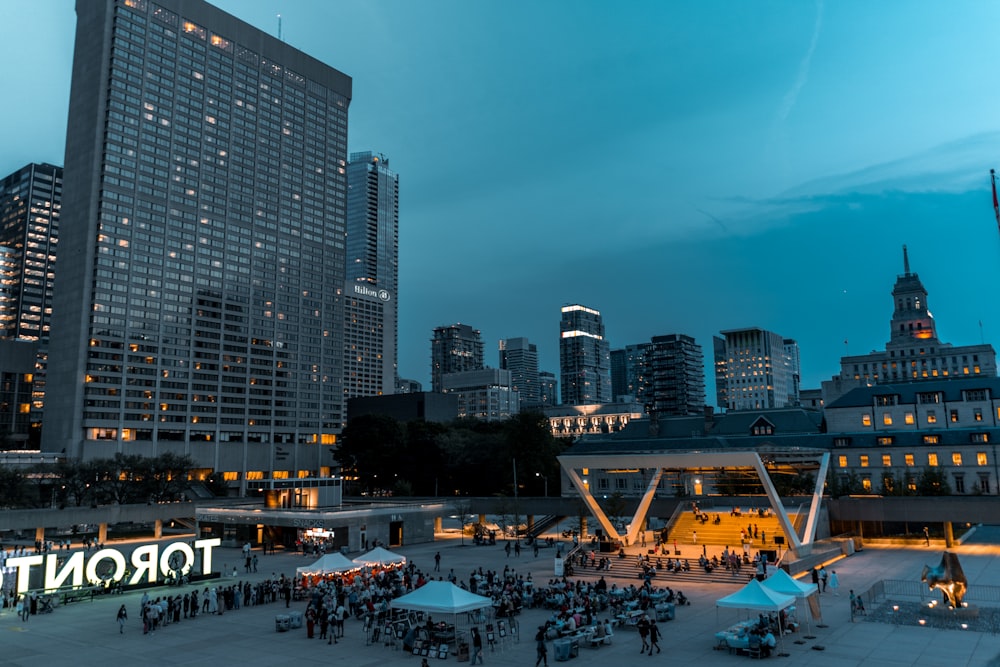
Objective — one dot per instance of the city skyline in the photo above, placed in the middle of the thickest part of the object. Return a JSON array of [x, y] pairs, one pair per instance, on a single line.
[[678, 170]]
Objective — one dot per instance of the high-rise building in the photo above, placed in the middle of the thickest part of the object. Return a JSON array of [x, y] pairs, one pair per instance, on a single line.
[[199, 305], [914, 351], [678, 375], [484, 394], [369, 340], [520, 357], [757, 369], [373, 243], [630, 372], [584, 357], [548, 389], [454, 349], [30, 202]]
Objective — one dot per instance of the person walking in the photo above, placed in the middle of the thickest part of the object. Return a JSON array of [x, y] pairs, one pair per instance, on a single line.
[[694, 536], [654, 637], [823, 577], [540, 648], [643, 627], [477, 647], [437, 562], [834, 582], [927, 537], [122, 617]]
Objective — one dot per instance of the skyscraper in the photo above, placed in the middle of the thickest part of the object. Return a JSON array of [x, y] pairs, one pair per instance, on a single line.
[[520, 357], [30, 202], [758, 368], [677, 368], [371, 333], [630, 372], [454, 349], [584, 357], [199, 308]]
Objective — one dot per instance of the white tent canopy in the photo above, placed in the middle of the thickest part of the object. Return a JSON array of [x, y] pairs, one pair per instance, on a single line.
[[757, 597], [379, 556], [442, 597], [782, 582], [328, 564]]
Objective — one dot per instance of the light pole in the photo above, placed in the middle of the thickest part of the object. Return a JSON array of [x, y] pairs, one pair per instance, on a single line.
[[546, 480]]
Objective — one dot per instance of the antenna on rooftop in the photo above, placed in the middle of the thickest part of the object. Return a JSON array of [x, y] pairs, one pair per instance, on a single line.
[[279, 27]]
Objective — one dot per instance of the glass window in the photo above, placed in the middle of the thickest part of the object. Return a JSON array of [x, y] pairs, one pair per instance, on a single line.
[[887, 460], [866, 420], [932, 459], [909, 418], [842, 461], [866, 483], [887, 419], [908, 459], [864, 460], [931, 417], [956, 458], [981, 458]]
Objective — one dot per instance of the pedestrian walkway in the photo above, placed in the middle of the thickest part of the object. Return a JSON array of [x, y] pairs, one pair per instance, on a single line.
[[86, 633]]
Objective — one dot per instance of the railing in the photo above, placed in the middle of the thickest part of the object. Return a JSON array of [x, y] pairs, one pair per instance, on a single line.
[[892, 589]]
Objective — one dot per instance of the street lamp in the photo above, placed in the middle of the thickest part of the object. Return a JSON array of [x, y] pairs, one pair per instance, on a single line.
[[546, 479]]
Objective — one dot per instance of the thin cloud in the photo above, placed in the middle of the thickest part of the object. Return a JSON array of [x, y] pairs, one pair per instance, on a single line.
[[788, 101]]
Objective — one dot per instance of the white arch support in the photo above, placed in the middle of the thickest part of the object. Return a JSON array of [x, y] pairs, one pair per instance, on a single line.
[[695, 460]]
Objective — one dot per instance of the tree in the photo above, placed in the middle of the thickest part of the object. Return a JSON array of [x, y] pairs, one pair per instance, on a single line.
[[933, 482], [463, 509], [165, 476], [371, 449], [614, 507], [13, 487]]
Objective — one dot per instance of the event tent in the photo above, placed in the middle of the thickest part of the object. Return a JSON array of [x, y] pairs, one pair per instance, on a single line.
[[782, 582], [757, 597], [379, 556], [328, 564], [441, 597]]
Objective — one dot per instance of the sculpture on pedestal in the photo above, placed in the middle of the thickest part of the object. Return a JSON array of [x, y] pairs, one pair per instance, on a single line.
[[947, 577]]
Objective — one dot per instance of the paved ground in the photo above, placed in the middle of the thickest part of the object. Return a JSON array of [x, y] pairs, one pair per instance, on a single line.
[[85, 633]]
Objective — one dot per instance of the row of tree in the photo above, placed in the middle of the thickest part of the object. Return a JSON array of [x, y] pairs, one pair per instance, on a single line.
[[123, 479], [382, 456]]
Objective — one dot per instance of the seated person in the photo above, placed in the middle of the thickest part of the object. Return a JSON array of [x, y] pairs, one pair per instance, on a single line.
[[767, 644], [681, 600], [599, 631]]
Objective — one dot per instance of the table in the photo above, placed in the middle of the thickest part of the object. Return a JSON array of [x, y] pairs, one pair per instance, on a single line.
[[566, 648]]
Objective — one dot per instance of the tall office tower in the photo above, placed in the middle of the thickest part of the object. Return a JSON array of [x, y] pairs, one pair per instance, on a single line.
[[759, 372], [548, 389], [678, 375], [721, 371], [369, 328], [630, 372], [454, 349], [584, 357], [200, 309], [373, 237], [30, 201], [520, 357]]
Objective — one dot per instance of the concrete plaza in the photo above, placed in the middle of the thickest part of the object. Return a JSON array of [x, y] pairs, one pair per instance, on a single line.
[[85, 633]]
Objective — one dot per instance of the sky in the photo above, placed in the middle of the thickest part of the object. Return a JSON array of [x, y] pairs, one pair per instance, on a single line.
[[683, 167]]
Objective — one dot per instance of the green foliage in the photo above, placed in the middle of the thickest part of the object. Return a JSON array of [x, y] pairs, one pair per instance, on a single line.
[[933, 482]]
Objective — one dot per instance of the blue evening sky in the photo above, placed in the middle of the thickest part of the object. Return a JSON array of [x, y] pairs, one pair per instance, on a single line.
[[684, 167]]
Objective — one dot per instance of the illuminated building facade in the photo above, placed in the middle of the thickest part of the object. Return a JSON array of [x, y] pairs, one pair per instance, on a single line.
[[914, 352], [202, 311], [584, 357], [758, 369], [484, 394], [369, 341], [373, 252], [30, 202]]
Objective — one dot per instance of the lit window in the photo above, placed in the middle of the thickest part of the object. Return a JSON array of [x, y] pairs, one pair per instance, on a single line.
[[908, 459], [932, 460], [884, 440], [864, 460], [866, 420], [908, 418], [981, 458], [977, 414], [842, 461], [931, 417], [887, 419], [887, 460], [954, 416], [956, 458], [866, 484], [932, 439]]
